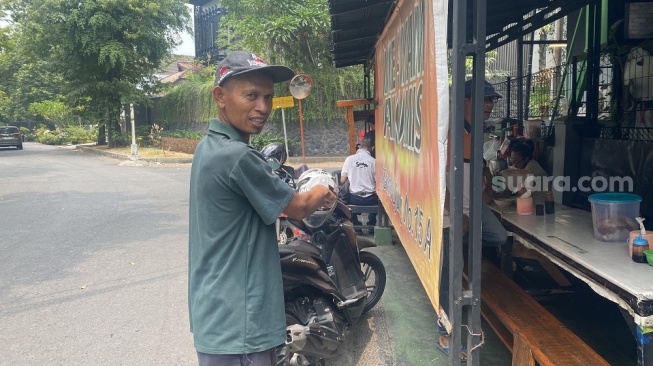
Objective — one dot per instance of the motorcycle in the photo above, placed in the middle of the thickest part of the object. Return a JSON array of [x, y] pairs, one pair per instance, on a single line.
[[329, 282], [275, 155]]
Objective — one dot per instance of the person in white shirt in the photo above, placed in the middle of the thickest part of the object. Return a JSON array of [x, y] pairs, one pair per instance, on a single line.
[[360, 170]]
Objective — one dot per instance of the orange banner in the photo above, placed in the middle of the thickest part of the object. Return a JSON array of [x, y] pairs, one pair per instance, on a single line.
[[412, 90]]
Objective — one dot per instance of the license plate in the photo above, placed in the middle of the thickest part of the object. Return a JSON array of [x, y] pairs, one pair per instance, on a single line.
[[7, 138]]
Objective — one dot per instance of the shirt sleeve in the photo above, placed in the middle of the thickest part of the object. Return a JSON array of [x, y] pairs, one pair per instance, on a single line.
[[345, 168], [254, 178]]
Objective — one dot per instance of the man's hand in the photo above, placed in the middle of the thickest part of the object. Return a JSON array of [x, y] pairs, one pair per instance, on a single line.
[[328, 196], [304, 204]]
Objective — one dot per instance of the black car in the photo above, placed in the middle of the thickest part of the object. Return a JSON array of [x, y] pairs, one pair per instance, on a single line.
[[11, 136]]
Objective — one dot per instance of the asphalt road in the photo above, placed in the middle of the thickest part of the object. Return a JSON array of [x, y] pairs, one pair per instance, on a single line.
[[93, 269], [94, 260]]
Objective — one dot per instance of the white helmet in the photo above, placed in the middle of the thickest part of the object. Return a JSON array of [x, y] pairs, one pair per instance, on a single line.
[[306, 182]]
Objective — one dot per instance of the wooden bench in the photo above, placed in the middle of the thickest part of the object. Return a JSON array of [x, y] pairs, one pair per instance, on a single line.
[[529, 331]]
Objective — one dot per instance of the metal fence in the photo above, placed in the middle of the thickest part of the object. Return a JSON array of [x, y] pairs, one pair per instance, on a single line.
[[207, 23], [638, 89], [624, 101]]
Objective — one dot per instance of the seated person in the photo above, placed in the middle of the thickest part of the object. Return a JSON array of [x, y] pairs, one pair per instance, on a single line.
[[521, 154], [360, 170], [493, 235], [371, 135]]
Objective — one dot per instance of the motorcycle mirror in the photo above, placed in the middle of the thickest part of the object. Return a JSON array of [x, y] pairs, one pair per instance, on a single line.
[[273, 163], [300, 86]]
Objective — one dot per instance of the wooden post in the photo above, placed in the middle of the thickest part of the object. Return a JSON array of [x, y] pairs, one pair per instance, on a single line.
[[349, 116]]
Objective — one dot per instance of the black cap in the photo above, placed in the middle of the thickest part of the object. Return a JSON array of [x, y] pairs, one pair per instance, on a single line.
[[487, 92], [240, 62]]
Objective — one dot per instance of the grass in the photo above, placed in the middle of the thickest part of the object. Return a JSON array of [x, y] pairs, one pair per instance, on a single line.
[[148, 152]]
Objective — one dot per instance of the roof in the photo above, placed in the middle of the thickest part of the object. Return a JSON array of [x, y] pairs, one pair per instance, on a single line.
[[357, 24], [171, 76]]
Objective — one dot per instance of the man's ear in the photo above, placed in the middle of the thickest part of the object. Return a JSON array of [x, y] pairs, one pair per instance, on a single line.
[[218, 96]]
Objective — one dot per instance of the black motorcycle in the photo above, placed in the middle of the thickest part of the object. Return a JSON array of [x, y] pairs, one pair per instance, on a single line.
[[329, 283], [274, 154]]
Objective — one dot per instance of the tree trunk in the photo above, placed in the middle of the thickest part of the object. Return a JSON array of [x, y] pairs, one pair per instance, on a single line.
[[113, 121], [543, 48], [102, 134]]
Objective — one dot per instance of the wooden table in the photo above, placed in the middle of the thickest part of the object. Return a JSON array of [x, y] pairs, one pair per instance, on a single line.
[[567, 239]]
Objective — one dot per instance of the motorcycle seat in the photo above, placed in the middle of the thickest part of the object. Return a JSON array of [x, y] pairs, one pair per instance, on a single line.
[[298, 246]]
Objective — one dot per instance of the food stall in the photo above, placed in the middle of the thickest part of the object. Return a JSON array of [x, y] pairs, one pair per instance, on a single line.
[[404, 45]]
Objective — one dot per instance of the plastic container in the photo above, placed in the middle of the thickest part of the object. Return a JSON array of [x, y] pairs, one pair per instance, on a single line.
[[639, 246], [525, 206], [613, 215], [635, 233], [533, 129], [649, 256]]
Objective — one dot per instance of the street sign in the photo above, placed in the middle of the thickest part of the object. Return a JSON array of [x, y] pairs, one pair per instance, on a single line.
[[283, 102]]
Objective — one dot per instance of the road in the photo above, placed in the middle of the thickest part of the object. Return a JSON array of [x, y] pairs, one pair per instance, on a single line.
[[94, 269], [94, 260]]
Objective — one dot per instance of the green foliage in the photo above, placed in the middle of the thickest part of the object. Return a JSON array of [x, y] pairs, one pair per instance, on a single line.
[[104, 51], [27, 134], [80, 135], [122, 139], [193, 101], [259, 141], [291, 32], [540, 102], [52, 111], [64, 136], [189, 102], [184, 134], [491, 72]]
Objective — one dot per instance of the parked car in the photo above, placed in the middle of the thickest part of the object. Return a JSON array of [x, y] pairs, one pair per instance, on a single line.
[[11, 136]]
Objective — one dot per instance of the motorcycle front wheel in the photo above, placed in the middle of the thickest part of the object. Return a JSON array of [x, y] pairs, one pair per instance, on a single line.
[[374, 275]]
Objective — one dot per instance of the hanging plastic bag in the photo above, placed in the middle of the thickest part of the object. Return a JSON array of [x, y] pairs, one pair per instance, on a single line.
[[490, 149]]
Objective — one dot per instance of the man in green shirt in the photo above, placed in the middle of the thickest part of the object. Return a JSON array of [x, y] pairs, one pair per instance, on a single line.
[[235, 291]]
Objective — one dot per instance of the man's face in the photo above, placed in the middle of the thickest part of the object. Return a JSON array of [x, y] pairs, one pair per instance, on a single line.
[[488, 106], [245, 101]]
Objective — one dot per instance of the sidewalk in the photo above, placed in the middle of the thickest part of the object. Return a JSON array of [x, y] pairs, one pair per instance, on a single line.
[[402, 329], [311, 161]]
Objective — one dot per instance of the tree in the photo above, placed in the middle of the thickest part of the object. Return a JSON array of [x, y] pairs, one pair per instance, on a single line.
[[106, 50], [295, 33]]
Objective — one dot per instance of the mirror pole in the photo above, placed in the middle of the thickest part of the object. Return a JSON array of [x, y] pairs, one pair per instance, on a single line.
[[301, 129]]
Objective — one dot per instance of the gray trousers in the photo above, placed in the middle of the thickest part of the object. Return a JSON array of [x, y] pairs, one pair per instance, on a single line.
[[263, 358]]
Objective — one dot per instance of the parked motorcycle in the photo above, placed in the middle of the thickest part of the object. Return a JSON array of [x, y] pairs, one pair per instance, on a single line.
[[275, 155], [329, 280]]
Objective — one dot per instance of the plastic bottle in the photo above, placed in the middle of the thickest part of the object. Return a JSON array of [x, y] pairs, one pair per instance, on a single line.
[[549, 206], [639, 246]]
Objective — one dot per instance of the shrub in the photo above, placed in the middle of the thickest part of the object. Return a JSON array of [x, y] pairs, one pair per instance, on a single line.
[[122, 138], [183, 134], [27, 134], [261, 140], [80, 135], [48, 137]]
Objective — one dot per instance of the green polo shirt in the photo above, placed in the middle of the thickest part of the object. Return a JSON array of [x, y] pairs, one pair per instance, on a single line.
[[235, 291]]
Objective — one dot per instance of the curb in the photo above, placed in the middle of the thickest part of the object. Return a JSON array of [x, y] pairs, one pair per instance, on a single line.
[[292, 160], [127, 157]]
